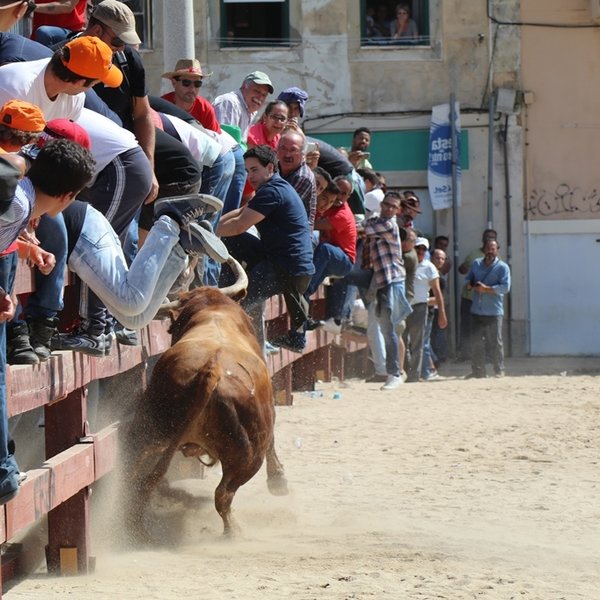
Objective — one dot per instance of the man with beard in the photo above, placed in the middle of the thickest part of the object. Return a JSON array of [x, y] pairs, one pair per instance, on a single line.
[[489, 278]]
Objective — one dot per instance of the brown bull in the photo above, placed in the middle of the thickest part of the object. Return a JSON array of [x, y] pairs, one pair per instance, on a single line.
[[210, 395]]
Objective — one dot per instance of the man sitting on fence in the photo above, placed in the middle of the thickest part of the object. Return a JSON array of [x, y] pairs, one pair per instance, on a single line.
[[281, 260]]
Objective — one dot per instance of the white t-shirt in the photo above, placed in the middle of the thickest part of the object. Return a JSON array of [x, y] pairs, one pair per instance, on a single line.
[[108, 139], [202, 147], [425, 273], [25, 81]]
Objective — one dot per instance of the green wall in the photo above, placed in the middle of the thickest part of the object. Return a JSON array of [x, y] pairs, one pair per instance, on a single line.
[[397, 150]]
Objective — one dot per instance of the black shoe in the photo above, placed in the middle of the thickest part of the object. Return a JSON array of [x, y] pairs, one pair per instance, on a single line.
[[186, 209], [292, 340], [311, 324], [375, 378], [83, 341], [198, 238], [18, 346], [475, 376], [41, 331], [127, 337]]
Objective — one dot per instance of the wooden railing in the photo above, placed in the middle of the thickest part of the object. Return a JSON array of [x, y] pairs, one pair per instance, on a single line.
[[77, 457]]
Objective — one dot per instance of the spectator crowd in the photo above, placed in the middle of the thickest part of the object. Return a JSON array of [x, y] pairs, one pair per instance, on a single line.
[[136, 193]]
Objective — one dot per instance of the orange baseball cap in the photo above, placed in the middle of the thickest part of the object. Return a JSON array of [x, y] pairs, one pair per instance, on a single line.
[[23, 116], [91, 58]]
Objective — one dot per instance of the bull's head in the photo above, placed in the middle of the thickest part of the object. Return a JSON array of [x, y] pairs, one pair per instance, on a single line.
[[235, 291]]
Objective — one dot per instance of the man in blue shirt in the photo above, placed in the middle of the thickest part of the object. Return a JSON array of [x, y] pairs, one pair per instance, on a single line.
[[281, 261], [489, 278]]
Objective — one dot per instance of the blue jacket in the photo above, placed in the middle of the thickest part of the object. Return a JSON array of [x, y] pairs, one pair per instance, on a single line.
[[497, 276]]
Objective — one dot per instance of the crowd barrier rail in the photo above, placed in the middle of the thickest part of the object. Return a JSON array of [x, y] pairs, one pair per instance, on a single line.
[[75, 457]]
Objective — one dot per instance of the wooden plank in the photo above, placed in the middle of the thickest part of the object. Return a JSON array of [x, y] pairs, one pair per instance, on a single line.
[[32, 386], [71, 471], [105, 450], [31, 503]]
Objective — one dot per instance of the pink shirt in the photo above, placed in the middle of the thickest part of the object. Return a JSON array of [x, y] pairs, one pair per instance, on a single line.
[[257, 136]]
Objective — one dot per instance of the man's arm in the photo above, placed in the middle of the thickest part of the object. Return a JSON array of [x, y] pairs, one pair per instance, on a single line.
[[143, 127], [60, 7], [238, 221], [434, 284]]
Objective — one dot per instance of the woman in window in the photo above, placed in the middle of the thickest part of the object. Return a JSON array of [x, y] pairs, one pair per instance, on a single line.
[[403, 27]]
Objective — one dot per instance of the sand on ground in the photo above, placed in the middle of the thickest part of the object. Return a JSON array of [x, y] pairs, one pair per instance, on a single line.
[[452, 489]]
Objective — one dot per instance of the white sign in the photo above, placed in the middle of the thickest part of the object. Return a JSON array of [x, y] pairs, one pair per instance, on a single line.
[[439, 165]]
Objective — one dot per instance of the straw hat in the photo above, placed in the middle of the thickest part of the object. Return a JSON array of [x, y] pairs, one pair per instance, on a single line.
[[187, 67]]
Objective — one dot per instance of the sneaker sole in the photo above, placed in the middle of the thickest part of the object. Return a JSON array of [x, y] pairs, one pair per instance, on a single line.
[[211, 244]]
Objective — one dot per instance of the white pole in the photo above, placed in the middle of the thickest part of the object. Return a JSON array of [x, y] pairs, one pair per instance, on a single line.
[[178, 31]]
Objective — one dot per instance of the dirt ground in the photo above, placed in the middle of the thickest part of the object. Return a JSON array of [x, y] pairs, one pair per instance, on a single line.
[[450, 489]]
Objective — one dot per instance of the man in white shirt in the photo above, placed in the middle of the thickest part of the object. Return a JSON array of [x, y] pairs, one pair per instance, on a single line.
[[57, 84], [239, 108], [426, 276]]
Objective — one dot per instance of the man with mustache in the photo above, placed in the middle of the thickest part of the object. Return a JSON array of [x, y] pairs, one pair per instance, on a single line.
[[489, 278]]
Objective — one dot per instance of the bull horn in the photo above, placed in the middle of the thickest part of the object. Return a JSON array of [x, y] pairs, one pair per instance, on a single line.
[[166, 308], [241, 282]]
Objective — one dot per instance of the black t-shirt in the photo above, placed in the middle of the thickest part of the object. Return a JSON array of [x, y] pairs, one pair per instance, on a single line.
[[164, 106], [173, 162], [332, 160], [74, 216], [134, 85]]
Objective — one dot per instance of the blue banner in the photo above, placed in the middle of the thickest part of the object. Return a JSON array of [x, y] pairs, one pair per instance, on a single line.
[[439, 166]]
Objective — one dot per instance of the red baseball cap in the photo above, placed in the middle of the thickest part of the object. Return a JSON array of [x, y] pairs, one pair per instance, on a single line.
[[63, 128]]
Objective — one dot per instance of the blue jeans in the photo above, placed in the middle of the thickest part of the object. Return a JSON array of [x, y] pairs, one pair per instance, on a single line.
[[50, 35], [234, 193], [391, 309], [328, 260], [429, 357], [47, 299], [118, 193], [9, 470], [216, 187], [133, 295], [342, 294]]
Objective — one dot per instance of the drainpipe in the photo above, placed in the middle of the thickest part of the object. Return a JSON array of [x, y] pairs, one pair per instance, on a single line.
[[490, 176], [507, 197], [455, 158]]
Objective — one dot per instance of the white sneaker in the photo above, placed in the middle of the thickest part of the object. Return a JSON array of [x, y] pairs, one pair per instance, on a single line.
[[392, 383], [331, 326]]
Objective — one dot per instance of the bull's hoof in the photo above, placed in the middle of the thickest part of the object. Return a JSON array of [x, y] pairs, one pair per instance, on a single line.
[[278, 485]]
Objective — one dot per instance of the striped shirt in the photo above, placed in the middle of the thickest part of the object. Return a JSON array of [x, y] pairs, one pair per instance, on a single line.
[[383, 241], [15, 219]]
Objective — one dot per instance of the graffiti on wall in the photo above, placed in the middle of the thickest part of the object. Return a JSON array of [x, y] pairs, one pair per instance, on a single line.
[[565, 201]]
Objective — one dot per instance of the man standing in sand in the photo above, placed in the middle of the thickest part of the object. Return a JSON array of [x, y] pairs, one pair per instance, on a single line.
[[489, 278]]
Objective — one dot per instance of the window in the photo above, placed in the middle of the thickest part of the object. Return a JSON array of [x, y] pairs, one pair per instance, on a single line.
[[395, 23], [142, 10], [251, 23]]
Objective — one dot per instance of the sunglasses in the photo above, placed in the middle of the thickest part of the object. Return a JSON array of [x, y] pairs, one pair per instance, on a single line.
[[277, 118], [117, 42], [197, 83]]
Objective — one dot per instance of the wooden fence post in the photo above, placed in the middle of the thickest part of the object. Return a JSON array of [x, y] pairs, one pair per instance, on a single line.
[[68, 523]]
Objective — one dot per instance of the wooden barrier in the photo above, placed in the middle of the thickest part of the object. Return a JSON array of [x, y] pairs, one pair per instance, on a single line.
[[77, 457]]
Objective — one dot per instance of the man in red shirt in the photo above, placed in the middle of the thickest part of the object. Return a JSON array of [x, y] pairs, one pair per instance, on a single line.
[[187, 80], [54, 21], [336, 252]]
